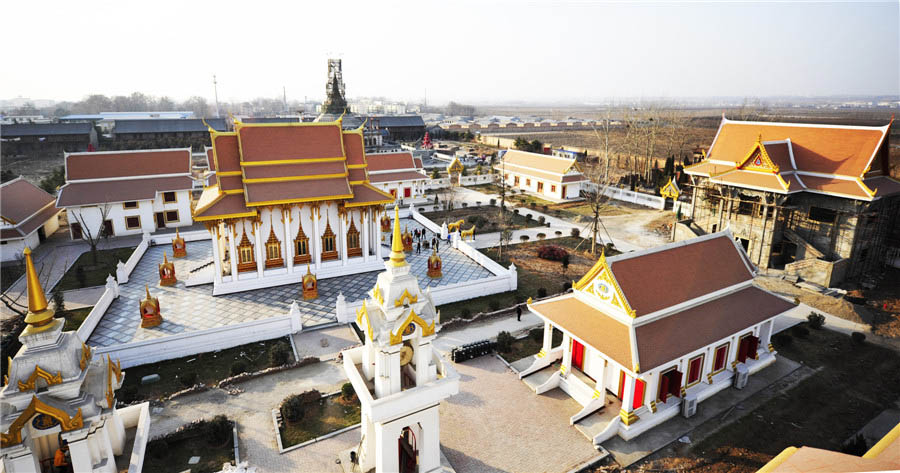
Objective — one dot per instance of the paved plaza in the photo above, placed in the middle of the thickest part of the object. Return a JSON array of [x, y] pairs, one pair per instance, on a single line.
[[186, 309]]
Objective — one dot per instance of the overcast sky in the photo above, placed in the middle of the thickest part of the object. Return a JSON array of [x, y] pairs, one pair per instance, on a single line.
[[477, 51]]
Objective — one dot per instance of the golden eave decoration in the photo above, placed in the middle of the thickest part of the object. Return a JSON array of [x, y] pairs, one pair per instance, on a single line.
[[670, 190], [85, 356], [112, 369], [13, 436], [764, 162], [406, 298], [39, 372], [363, 313], [412, 318]]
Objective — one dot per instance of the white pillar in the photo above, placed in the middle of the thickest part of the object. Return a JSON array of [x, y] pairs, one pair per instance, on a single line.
[[288, 243], [430, 451], [364, 218], [548, 337], [217, 259], [378, 244], [260, 254], [567, 355], [388, 458], [628, 394], [423, 361], [232, 249], [80, 454], [600, 386], [343, 220], [315, 214]]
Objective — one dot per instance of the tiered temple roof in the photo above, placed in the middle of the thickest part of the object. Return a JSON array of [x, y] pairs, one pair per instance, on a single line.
[[786, 158], [261, 164]]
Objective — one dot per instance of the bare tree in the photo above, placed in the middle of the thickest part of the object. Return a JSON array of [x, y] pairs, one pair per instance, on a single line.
[[94, 236], [505, 238], [596, 199]]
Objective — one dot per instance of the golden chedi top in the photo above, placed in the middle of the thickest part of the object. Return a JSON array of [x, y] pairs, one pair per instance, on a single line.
[[39, 316], [434, 257], [397, 257]]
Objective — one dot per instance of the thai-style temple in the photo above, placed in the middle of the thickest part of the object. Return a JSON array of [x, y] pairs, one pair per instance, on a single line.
[[649, 334], [60, 394], [287, 195]]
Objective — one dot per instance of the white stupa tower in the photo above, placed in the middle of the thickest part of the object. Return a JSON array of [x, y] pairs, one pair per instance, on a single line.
[[397, 375]]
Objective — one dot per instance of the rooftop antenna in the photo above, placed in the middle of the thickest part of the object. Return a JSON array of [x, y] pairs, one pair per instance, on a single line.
[[216, 92]]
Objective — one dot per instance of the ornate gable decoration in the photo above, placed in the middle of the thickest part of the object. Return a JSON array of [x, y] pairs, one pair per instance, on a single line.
[[601, 283], [413, 318], [758, 159], [13, 436], [51, 379], [670, 190]]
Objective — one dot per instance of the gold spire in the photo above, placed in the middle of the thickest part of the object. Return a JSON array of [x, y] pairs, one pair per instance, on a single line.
[[165, 258], [39, 317], [398, 258], [147, 288]]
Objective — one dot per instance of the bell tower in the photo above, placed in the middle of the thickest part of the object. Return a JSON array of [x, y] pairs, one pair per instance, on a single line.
[[398, 376]]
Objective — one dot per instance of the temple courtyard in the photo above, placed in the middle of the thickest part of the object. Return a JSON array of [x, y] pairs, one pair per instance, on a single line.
[[189, 309]]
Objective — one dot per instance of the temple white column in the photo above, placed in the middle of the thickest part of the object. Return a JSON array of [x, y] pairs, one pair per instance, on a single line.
[[567, 355], [232, 250], [378, 244], [315, 214], [288, 243], [217, 259], [364, 218], [628, 394], [343, 220], [260, 253], [80, 454], [548, 337]]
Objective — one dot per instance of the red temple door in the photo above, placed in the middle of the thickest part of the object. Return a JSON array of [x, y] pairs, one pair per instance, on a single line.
[[675, 383], [577, 354], [743, 349], [407, 192]]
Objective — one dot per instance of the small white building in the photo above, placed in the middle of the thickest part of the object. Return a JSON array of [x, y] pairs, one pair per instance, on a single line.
[[400, 174], [59, 395], [552, 177], [648, 335], [28, 216], [127, 192], [399, 377]]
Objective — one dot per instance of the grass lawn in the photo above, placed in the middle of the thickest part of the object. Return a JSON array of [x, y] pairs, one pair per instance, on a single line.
[[180, 451], [94, 274], [528, 346], [74, 317], [210, 368], [10, 272], [486, 219], [325, 416], [856, 384]]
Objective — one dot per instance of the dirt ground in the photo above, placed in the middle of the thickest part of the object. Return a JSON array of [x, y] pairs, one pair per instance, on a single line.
[[832, 305], [661, 225], [883, 302], [852, 385]]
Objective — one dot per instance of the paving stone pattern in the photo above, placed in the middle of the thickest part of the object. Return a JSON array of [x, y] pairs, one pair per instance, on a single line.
[[186, 309]]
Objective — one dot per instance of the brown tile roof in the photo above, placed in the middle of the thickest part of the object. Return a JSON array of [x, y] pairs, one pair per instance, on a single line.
[[578, 178], [31, 223], [231, 182], [365, 194], [590, 325], [227, 152], [267, 142], [676, 335], [226, 206], [823, 149], [87, 193], [539, 162], [418, 162], [697, 268], [356, 175], [102, 165], [396, 176], [390, 161], [705, 168], [353, 146], [210, 160], [20, 199], [286, 170], [260, 193]]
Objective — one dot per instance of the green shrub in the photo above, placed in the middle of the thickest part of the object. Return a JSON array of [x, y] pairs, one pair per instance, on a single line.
[[295, 406], [541, 236], [493, 202], [347, 391], [218, 430], [558, 233], [542, 219], [188, 379], [816, 321], [523, 238], [504, 342], [532, 205], [516, 211], [575, 232], [238, 367], [280, 354], [858, 338]]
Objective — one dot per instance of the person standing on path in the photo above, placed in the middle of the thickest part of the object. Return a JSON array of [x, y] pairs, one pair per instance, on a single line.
[[518, 313], [419, 248]]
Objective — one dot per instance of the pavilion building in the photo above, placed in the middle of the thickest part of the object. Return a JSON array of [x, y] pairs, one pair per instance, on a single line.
[[27, 217], [552, 177], [287, 196], [399, 174], [646, 332]]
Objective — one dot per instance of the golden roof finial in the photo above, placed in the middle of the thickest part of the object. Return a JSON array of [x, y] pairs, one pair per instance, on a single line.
[[165, 258], [39, 316], [759, 138], [147, 288], [398, 258]]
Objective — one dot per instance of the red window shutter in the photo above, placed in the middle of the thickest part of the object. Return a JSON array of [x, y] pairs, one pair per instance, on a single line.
[[752, 346], [639, 386], [663, 388], [721, 354], [694, 372], [675, 384], [742, 349]]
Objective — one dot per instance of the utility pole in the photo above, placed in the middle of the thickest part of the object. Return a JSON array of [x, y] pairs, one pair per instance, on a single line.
[[216, 92]]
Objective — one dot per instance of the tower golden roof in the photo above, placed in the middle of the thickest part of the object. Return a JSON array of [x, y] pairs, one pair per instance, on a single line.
[[398, 258], [39, 316]]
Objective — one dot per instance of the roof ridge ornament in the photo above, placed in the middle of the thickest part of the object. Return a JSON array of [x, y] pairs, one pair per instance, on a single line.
[[397, 257], [39, 316]]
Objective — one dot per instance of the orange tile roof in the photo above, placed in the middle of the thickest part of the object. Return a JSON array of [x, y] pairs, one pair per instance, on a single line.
[[751, 179], [830, 185]]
